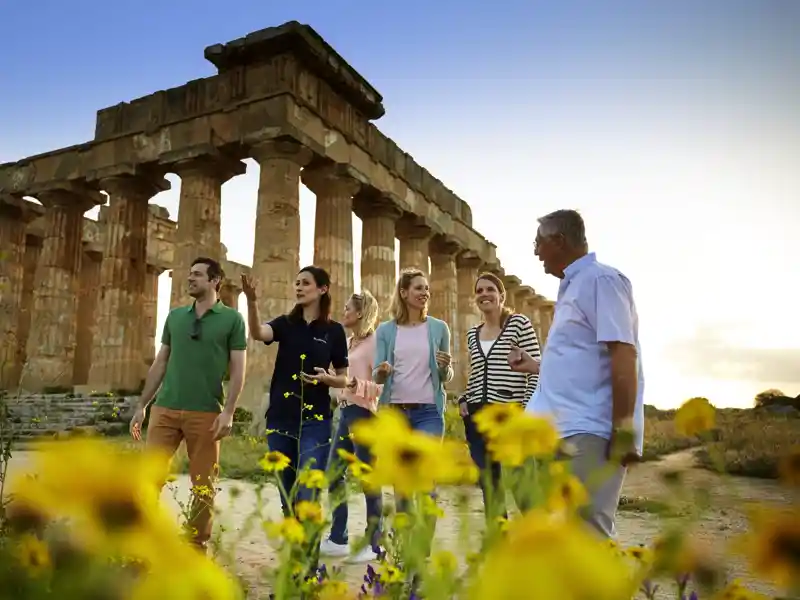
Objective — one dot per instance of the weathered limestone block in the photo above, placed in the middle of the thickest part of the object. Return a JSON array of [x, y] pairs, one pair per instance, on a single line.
[[51, 344], [414, 234], [86, 326], [468, 264], [117, 351], [199, 214], [333, 226], [546, 312], [532, 310], [276, 254], [14, 217], [444, 293], [229, 295], [378, 268], [512, 284]]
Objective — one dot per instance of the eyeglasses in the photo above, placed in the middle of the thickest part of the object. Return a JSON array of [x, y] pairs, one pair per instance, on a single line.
[[196, 331]]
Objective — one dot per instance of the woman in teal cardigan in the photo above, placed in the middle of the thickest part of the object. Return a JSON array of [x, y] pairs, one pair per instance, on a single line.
[[413, 356]]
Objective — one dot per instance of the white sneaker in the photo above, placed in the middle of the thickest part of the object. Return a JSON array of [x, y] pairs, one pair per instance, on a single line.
[[329, 548], [365, 555]]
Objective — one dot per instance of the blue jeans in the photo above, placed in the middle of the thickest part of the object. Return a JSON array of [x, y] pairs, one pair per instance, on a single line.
[[301, 445], [341, 441], [424, 418]]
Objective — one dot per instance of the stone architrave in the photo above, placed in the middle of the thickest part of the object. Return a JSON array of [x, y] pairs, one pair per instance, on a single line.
[[276, 253], [52, 339], [149, 317], [512, 283], [199, 215], [333, 226], [14, 217], [378, 268], [117, 349], [468, 264], [444, 293], [86, 326], [414, 236]]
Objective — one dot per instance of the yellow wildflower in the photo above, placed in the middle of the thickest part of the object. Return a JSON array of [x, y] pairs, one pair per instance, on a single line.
[[33, 553], [347, 457], [289, 529], [641, 554], [274, 462], [736, 591], [198, 577], [410, 463], [387, 426], [566, 493], [401, 521], [696, 415], [429, 508], [492, 418], [456, 466], [309, 511], [313, 478], [334, 590], [524, 437], [790, 467], [772, 545], [389, 574], [444, 563], [560, 555]]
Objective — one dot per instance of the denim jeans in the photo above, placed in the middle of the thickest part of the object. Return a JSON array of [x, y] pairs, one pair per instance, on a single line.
[[424, 418], [491, 472], [301, 445], [341, 441]]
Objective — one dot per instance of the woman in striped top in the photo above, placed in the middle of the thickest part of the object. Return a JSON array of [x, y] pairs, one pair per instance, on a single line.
[[491, 379]]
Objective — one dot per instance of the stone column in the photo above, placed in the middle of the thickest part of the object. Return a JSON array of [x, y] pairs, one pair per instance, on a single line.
[[414, 235], [229, 295], [521, 299], [14, 217], [546, 311], [149, 317], [532, 307], [33, 250], [117, 351], [378, 269], [512, 284], [86, 324], [199, 215], [468, 266], [444, 293], [333, 226], [51, 344], [276, 254]]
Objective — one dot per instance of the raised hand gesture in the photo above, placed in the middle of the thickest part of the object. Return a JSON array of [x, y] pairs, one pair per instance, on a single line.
[[249, 287]]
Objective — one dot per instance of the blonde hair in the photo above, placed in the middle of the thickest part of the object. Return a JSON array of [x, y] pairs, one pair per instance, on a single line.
[[399, 308], [366, 304], [505, 310]]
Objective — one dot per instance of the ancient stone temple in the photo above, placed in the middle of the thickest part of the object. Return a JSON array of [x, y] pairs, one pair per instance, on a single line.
[[78, 297]]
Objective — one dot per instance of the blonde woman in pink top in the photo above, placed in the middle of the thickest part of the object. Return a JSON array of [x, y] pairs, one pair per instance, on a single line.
[[359, 400]]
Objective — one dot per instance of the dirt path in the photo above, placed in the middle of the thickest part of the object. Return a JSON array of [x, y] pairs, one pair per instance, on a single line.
[[239, 500]]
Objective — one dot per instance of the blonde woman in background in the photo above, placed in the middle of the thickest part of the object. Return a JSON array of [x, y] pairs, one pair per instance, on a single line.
[[359, 400]]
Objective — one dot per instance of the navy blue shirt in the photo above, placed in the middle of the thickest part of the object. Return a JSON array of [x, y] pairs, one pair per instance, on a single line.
[[301, 347]]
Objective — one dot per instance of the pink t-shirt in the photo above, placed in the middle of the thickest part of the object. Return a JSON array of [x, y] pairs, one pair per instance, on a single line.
[[362, 360], [411, 378]]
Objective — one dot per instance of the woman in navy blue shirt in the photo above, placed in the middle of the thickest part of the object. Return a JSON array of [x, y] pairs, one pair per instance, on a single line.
[[309, 343]]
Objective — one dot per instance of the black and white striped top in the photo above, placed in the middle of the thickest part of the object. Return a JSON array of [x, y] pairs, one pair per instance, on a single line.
[[490, 376]]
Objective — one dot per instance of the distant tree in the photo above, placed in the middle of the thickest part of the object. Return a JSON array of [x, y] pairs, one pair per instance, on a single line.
[[764, 398]]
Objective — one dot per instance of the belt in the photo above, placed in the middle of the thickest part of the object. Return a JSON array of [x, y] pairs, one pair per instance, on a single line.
[[408, 405]]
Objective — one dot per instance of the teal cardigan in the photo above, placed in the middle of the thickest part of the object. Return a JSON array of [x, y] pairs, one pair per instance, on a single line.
[[438, 339]]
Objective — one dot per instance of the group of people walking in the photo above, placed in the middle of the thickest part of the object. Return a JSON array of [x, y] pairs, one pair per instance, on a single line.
[[404, 362]]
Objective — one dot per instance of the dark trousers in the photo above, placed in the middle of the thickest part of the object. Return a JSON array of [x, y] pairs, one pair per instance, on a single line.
[[301, 445], [341, 441]]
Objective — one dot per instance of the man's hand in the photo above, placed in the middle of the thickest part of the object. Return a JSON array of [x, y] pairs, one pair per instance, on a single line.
[[622, 446], [382, 372], [352, 384], [443, 359], [522, 362], [136, 423], [223, 425], [249, 288]]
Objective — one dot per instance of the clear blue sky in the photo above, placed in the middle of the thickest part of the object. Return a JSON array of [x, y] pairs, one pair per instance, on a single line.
[[673, 126]]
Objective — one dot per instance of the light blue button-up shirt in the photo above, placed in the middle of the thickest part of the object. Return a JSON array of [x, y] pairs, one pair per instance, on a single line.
[[594, 306]]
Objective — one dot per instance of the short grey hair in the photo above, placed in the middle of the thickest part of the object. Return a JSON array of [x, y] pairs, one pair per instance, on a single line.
[[566, 222]]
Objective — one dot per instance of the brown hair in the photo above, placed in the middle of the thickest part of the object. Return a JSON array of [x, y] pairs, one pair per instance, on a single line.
[[399, 309], [505, 310]]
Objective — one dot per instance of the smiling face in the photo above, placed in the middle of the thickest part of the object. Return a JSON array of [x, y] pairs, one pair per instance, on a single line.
[[352, 314], [307, 290], [417, 295], [488, 297]]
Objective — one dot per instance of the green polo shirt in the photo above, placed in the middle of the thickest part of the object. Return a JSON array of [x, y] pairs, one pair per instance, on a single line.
[[199, 356]]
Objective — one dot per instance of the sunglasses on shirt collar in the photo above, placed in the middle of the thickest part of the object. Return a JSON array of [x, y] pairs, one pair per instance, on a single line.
[[196, 331]]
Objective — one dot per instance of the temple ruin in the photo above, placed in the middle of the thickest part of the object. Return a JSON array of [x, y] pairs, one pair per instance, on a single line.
[[78, 297]]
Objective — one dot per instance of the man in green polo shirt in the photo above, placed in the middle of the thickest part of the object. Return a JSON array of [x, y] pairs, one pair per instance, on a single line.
[[200, 344]]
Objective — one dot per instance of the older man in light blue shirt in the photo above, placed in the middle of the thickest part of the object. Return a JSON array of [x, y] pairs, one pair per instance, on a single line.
[[590, 378]]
